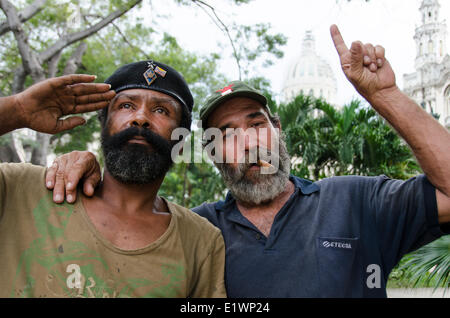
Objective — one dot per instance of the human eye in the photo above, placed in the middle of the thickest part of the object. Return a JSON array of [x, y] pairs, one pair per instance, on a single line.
[[257, 124], [228, 134], [125, 106], [161, 110]]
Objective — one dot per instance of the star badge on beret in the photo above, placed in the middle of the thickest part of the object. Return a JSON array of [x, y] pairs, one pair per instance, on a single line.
[[150, 73]]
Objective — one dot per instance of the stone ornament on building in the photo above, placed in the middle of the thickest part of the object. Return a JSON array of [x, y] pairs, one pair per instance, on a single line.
[[429, 86]]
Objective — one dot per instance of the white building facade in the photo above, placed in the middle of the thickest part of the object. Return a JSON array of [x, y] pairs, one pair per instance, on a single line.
[[310, 74], [429, 86]]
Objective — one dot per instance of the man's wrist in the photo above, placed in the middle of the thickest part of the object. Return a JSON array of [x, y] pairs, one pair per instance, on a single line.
[[19, 111], [9, 114], [385, 95]]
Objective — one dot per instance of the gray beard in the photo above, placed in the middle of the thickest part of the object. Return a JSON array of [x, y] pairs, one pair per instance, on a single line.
[[256, 188]]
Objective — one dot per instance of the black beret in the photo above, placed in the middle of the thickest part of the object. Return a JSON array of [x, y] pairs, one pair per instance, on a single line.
[[154, 76]]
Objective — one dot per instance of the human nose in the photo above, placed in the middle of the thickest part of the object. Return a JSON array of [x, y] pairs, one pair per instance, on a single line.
[[250, 139], [140, 119], [246, 143]]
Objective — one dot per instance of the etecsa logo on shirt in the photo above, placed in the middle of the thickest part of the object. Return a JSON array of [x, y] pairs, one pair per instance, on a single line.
[[328, 244], [346, 244]]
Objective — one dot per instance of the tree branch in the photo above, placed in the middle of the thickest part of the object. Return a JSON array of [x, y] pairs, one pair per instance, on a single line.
[[128, 42], [74, 61], [30, 61], [81, 35], [224, 29], [19, 80], [131, 45], [53, 64], [24, 15]]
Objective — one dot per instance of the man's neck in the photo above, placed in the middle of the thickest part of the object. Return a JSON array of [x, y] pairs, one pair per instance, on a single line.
[[129, 216], [262, 215], [131, 198]]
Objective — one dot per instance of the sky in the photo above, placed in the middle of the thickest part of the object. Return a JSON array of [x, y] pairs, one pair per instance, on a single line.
[[390, 23]]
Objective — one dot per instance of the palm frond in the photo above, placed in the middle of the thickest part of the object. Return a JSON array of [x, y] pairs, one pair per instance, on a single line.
[[429, 266]]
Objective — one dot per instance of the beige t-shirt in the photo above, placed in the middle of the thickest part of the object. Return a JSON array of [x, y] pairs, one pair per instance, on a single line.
[[53, 250]]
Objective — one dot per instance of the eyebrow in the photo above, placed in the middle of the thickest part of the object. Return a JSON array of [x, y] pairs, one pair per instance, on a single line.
[[126, 95], [251, 116], [255, 115], [152, 99], [224, 127], [164, 100]]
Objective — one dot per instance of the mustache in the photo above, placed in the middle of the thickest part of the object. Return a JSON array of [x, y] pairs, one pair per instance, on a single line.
[[250, 159], [118, 140]]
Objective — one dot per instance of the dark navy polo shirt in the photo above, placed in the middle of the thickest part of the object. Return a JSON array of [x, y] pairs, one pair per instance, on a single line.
[[338, 237]]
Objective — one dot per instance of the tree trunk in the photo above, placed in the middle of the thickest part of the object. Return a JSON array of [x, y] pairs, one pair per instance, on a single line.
[[39, 154], [7, 151], [33, 62]]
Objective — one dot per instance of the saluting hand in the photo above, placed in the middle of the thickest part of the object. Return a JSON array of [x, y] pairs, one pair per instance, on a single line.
[[41, 106], [364, 65]]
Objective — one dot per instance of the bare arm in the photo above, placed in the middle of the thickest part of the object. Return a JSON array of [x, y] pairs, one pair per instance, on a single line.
[[9, 122], [42, 106], [371, 74]]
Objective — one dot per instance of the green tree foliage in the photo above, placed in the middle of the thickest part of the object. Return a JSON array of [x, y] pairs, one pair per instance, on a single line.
[[326, 141], [44, 38], [191, 184], [49, 36], [429, 266]]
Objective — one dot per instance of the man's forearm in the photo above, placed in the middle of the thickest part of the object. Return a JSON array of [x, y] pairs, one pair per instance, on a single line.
[[428, 139], [9, 117]]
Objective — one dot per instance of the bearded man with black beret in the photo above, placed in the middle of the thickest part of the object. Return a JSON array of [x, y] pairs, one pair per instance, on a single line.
[[124, 240]]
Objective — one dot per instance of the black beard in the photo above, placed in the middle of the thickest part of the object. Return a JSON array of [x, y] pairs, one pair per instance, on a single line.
[[134, 163]]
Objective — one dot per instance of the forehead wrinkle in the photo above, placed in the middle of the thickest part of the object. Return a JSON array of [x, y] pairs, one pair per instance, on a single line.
[[233, 108], [249, 116], [128, 95]]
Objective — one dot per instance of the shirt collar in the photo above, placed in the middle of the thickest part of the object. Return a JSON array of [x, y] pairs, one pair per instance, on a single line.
[[306, 187]]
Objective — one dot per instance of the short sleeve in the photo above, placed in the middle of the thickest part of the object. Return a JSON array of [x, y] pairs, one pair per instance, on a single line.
[[16, 180], [406, 215], [208, 211], [2, 191], [211, 280]]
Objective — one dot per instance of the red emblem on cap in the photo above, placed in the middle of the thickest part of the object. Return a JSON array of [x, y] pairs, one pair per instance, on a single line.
[[226, 88]]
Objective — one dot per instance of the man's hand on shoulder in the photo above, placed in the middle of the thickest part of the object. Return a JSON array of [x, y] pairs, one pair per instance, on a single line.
[[66, 173]]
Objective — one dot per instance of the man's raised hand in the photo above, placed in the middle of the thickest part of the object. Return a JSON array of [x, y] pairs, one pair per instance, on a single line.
[[364, 65], [41, 106]]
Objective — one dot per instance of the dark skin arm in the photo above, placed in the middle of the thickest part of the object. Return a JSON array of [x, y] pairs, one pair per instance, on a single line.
[[42, 106]]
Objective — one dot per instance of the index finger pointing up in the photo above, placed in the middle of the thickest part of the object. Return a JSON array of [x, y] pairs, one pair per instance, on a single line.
[[338, 41]]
